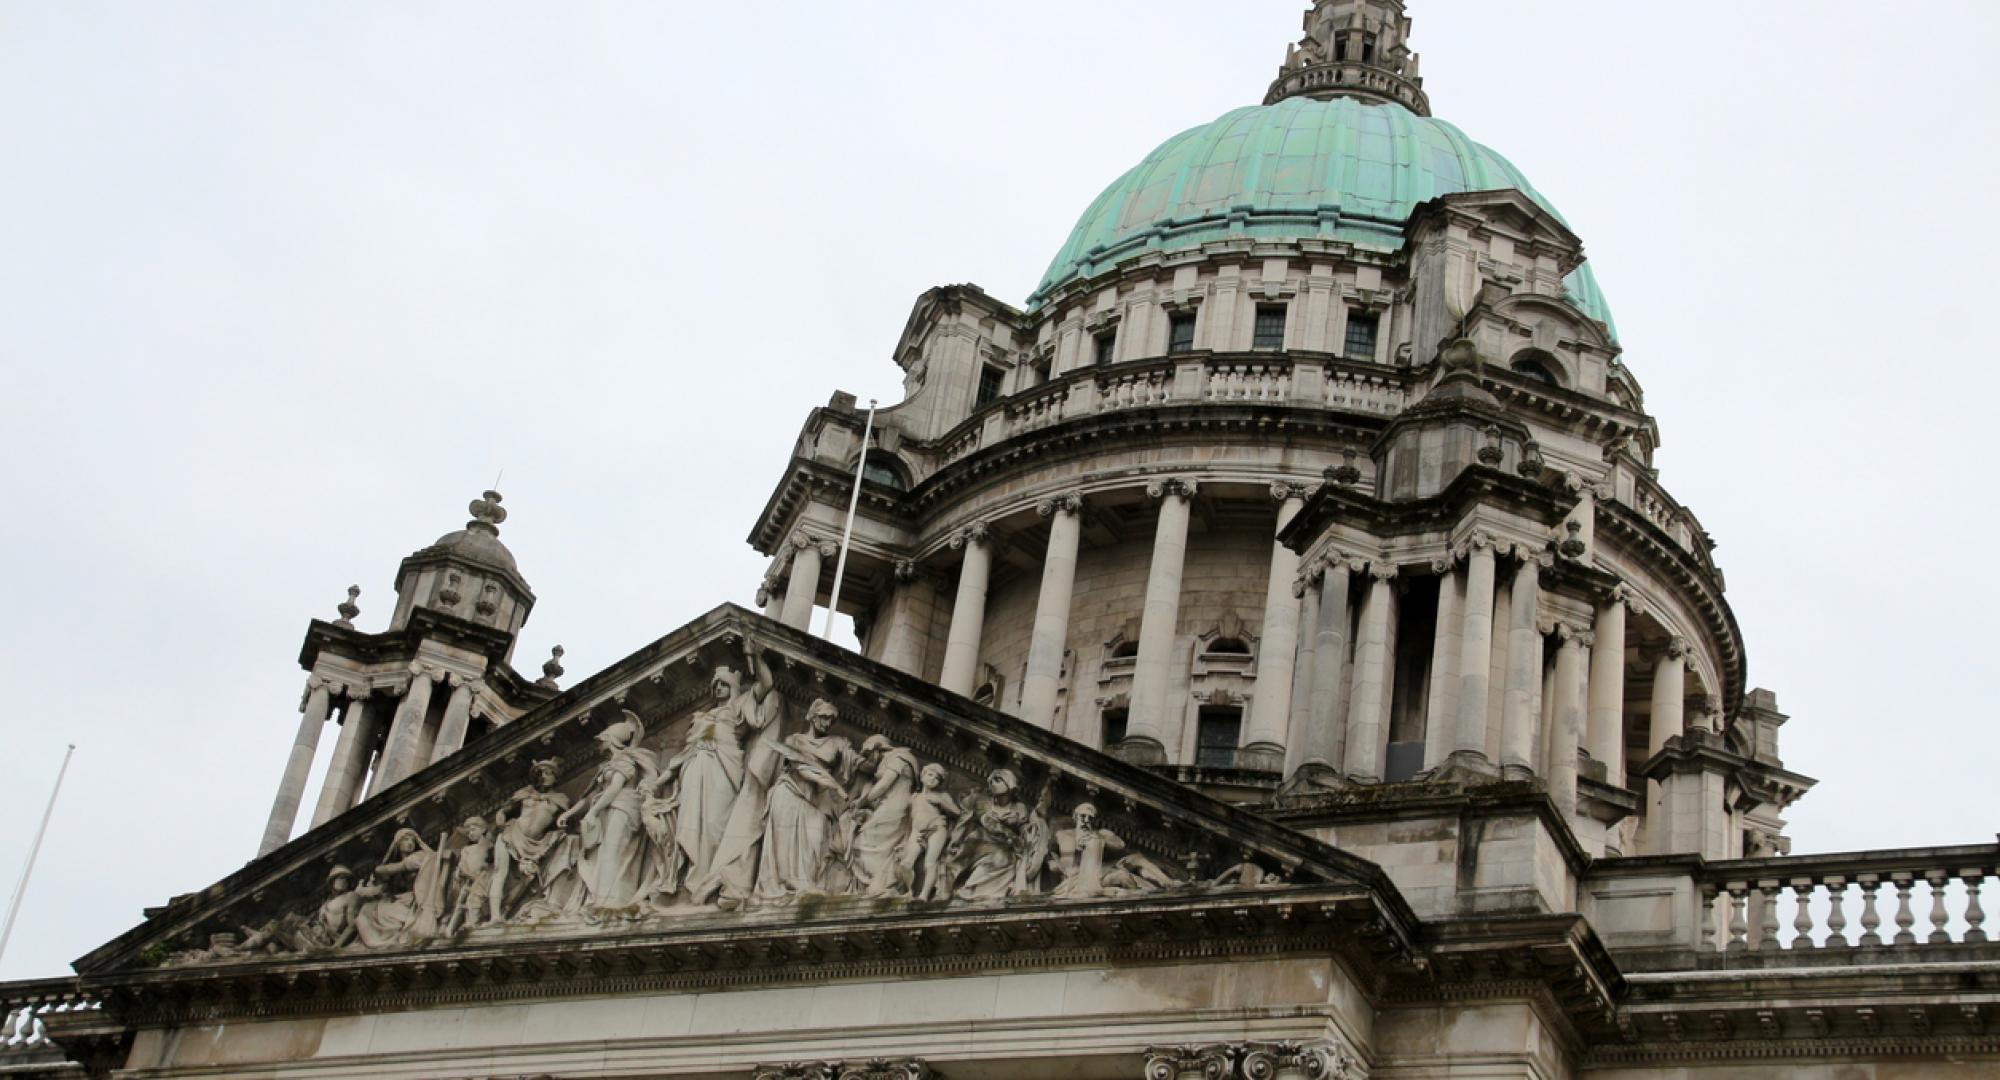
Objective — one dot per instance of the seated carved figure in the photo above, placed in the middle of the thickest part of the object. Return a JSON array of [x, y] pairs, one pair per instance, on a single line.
[[1080, 855], [1003, 843]]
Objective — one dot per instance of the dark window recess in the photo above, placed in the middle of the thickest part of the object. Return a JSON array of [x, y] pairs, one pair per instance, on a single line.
[[1368, 48], [1270, 332], [881, 469], [1180, 333], [1042, 370], [1227, 646], [1217, 729], [989, 386], [1104, 344], [1360, 336], [1535, 370], [1339, 48], [1114, 726]]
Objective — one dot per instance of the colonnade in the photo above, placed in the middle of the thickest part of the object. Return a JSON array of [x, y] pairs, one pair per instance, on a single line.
[[1496, 705], [408, 746]]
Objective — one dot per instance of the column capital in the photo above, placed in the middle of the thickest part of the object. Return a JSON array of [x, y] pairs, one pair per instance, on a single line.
[[1183, 486], [1308, 577], [977, 532], [1382, 570], [763, 596], [1288, 489], [1337, 560], [906, 571], [1566, 631], [828, 549], [801, 540], [1479, 541], [1318, 1060], [357, 691], [1676, 648], [1069, 502], [1444, 563]]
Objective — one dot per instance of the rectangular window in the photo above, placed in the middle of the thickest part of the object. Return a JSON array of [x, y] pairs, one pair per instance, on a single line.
[[990, 379], [1270, 332], [1042, 369], [1114, 726], [1217, 729], [1180, 332], [1104, 344], [1360, 336]]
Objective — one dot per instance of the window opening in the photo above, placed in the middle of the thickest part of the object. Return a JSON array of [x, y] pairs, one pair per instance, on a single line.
[[1270, 331], [1105, 344], [1217, 730], [1180, 333], [1361, 328], [990, 379]]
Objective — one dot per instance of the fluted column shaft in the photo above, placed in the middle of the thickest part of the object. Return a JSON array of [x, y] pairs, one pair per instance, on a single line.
[[1441, 708], [1326, 733], [1049, 638], [1374, 657], [457, 718], [968, 610], [399, 756], [350, 760], [802, 588], [1669, 696], [1607, 690], [1568, 714], [1304, 670], [1475, 657], [298, 764], [1159, 620], [1277, 648], [902, 649], [1524, 671]]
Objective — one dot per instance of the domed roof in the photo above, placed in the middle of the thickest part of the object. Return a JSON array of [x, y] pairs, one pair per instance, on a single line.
[[1342, 169], [479, 541]]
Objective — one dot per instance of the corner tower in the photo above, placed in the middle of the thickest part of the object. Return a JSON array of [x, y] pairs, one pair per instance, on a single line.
[[439, 676]]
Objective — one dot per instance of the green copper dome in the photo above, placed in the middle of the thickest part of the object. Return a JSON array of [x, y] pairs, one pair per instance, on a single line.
[[1342, 169]]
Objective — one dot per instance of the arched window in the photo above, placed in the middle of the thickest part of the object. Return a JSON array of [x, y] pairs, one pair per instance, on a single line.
[[882, 468], [1536, 365], [1227, 646]]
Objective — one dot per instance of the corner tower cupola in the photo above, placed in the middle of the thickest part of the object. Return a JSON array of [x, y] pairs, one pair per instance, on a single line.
[[1353, 48], [468, 573]]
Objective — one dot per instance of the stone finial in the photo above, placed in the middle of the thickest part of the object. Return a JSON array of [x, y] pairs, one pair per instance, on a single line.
[[1345, 474], [1493, 451], [1572, 546], [1530, 464], [487, 514], [552, 669], [348, 608]]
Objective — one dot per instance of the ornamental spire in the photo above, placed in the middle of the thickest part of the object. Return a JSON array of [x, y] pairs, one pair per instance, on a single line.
[[1353, 48]]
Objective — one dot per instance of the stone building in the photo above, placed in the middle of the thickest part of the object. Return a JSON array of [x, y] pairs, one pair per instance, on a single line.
[[1279, 658]]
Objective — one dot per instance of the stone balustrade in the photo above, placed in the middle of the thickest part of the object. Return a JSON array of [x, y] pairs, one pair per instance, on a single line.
[[1860, 900], [1131, 386], [1359, 392], [1256, 380]]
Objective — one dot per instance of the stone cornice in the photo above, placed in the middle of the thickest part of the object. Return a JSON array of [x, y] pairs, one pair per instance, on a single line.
[[1361, 803]]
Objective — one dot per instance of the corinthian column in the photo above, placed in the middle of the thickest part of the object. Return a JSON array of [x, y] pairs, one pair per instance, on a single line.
[[1374, 673], [399, 756], [1441, 707], [292, 786], [350, 758], [1277, 648], [1668, 720], [1567, 729], [1607, 689], [1524, 671], [457, 718], [903, 649], [1050, 637], [803, 587], [1306, 590], [1159, 622], [1325, 742], [1475, 656], [968, 611]]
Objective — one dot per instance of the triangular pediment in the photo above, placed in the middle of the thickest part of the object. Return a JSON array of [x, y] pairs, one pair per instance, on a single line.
[[735, 819]]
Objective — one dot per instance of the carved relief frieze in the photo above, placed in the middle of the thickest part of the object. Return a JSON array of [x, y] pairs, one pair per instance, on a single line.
[[722, 802]]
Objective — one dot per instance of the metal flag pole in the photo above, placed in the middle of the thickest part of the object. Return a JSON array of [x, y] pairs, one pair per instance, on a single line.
[[847, 534], [21, 890]]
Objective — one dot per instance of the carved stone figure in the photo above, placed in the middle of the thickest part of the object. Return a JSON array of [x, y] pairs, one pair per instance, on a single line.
[[331, 926], [933, 815], [524, 843], [884, 811], [809, 793], [614, 858], [1080, 859], [404, 897], [1003, 843], [723, 788], [471, 877]]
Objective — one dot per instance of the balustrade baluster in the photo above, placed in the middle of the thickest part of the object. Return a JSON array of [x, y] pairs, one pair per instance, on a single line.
[[1871, 920], [1904, 919], [1836, 916], [1802, 920], [1739, 923], [1767, 916], [1940, 915], [1705, 923], [1974, 914]]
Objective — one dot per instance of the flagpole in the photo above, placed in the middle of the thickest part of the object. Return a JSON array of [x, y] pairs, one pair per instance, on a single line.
[[21, 890], [847, 533]]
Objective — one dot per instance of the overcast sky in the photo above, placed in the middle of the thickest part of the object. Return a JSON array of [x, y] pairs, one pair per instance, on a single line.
[[283, 286]]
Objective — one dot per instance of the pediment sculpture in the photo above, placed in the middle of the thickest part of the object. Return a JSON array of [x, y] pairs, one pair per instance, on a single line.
[[732, 806]]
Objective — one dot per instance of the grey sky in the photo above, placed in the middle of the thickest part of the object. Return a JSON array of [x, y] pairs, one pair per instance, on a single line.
[[286, 284]]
